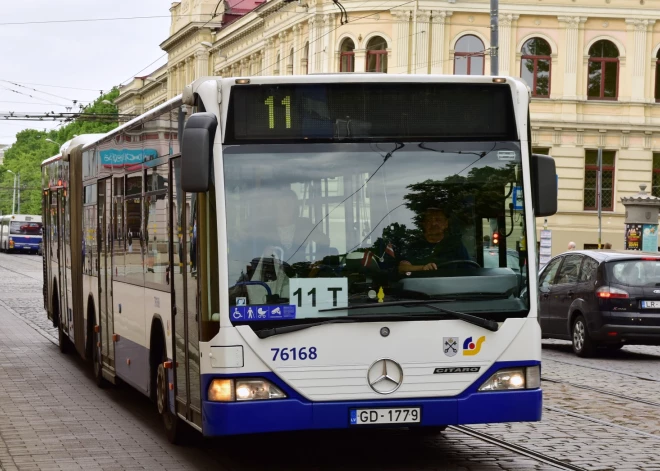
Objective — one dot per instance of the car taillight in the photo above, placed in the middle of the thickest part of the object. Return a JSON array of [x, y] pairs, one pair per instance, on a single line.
[[608, 292]]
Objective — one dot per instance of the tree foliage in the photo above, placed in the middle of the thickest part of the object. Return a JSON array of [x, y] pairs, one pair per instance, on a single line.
[[24, 157]]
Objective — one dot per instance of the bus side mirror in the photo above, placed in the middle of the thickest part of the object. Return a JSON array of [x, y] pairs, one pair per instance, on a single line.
[[197, 152], [544, 185]]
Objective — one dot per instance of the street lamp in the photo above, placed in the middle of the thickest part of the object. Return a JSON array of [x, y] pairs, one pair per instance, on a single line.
[[50, 140], [13, 201]]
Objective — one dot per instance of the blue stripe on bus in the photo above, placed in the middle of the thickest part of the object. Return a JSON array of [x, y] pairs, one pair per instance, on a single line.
[[298, 413], [22, 242]]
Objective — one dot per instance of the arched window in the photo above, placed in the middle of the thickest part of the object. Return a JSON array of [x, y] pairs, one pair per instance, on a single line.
[[535, 66], [305, 58], [469, 56], [657, 76], [603, 81], [347, 56], [377, 55]]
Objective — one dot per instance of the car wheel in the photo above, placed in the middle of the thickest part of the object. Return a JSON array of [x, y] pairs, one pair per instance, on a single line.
[[583, 346]]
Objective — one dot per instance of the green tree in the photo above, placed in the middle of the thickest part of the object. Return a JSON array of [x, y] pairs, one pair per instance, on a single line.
[[24, 157]]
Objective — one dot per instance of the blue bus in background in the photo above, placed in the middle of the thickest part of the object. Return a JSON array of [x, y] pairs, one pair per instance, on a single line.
[[20, 233]]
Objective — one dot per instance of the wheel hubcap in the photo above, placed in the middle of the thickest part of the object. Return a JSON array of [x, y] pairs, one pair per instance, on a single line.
[[161, 389], [578, 335]]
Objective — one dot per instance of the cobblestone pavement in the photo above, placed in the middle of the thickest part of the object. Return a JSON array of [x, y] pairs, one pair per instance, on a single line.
[[52, 416]]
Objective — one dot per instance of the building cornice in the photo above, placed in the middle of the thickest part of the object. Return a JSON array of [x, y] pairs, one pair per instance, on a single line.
[[189, 30]]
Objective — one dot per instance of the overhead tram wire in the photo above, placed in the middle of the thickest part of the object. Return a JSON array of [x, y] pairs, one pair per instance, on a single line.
[[44, 93], [52, 86], [44, 101]]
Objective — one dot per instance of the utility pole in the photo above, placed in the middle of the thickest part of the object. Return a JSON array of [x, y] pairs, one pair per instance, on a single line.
[[494, 37], [18, 186], [599, 193]]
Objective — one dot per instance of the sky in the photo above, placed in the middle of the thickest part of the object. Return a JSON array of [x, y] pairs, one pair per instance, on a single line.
[[86, 56]]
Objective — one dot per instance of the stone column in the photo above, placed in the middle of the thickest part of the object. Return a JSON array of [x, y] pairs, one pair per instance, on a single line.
[[202, 62], [438, 22], [506, 31], [190, 70], [572, 26], [421, 42], [326, 55], [313, 23], [639, 30], [360, 60], [269, 57], [402, 28], [170, 83], [281, 50], [297, 48]]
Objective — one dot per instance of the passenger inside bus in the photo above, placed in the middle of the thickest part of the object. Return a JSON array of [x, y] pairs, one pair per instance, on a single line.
[[438, 245]]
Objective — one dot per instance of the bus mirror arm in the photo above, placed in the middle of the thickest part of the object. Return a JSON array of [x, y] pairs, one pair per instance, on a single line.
[[544, 185], [197, 152]]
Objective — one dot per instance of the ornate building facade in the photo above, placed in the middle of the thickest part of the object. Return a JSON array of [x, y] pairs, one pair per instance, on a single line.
[[592, 66]]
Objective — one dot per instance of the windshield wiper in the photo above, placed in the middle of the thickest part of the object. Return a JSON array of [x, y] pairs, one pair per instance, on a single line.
[[265, 333], [479, 321]]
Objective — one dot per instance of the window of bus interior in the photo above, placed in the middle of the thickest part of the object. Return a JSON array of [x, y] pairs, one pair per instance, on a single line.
[[156, 226], [343, 218], [178, 118], [155, 136], [117, 230], [133, 259], [89, 163], [89, 235], [52, 226], [66, 210]]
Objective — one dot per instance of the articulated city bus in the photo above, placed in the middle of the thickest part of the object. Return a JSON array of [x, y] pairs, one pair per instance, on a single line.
[[291, 253], [20, 233]]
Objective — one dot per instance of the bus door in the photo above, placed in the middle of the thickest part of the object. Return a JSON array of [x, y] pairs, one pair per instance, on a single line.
[[61, 260], [105, 273], [185, 299]]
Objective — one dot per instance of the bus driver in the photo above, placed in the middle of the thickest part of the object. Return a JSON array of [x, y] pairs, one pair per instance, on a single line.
[[438, 245]]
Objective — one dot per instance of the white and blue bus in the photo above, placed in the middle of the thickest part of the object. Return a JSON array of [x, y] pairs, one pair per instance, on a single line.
[[20, 233], [318, 252]]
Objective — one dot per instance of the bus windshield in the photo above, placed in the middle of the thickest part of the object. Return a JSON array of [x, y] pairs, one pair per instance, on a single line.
[[316, 227], [25, 228]]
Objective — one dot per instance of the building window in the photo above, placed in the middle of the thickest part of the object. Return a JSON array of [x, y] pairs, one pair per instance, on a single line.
[[347, 56], [541, 150], [535, 66], [377, 55], [603, 80], [591, 180], [469, 56], [655, 179], [657, 77]]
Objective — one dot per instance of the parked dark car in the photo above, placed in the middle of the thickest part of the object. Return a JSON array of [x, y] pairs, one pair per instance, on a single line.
[[601, 298]]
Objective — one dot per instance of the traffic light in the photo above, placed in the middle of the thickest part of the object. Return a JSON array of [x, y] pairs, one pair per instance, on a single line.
[[496, 238]]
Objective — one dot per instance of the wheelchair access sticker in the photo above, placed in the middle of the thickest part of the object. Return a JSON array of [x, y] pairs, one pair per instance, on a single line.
[[262, 313]]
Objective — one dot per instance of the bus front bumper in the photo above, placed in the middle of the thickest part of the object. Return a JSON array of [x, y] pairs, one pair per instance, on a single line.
[[293, 414]]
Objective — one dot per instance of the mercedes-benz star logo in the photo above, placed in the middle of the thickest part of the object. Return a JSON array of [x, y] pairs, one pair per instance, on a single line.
[[385, 376]]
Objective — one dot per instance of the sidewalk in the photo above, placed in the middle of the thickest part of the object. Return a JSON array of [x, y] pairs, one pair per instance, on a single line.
[[52, 415]]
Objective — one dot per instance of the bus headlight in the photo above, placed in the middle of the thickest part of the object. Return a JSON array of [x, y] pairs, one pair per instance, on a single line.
[[230, 390], [513, 378]]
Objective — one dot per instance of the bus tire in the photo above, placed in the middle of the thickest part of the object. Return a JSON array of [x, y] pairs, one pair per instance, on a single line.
[[63, 340], [95, 339]]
